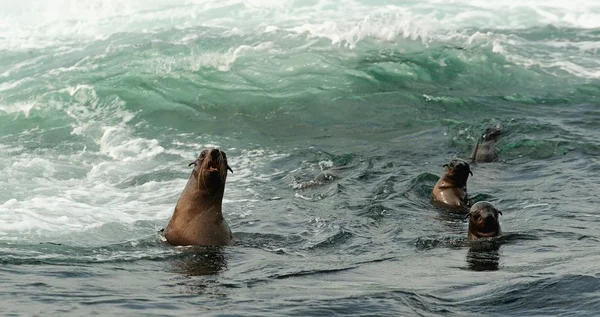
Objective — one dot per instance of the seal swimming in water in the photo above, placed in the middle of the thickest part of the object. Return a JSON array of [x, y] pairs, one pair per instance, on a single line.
[[483, 221], [198, 217], [485, 149], [451, 189]]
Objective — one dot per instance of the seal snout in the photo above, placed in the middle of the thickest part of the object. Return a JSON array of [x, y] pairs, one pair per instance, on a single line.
[[459, 167], [486, 220], [213, 161], [492, 133]]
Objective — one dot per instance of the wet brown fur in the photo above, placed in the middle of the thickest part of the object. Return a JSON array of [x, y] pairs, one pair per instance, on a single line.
[[451, 188], [198, 216]]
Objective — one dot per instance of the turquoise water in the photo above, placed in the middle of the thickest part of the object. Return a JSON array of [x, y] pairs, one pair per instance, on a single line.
[[336, 117]]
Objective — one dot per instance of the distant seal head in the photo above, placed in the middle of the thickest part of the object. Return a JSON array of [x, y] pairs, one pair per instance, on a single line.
[[198, 216], [485, 149], [451, 189], [484, 220]]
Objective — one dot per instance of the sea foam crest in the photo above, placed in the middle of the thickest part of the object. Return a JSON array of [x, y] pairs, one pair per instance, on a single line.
[[47, 23], [17, 107], [117, 143]]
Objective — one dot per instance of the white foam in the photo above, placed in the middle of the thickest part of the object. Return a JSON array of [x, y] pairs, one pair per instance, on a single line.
[[92, 116], [324, 165], [80, 66], [24, 107], [27, 24], [49, 208], [14, 84], [345, 23], [224, 61], [116, 143]]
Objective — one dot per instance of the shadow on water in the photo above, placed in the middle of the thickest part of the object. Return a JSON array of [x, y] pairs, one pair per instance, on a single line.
[[199, 261], [483, 255]]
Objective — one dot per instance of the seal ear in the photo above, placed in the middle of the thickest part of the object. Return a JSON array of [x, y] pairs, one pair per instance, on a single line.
[[193, 163], [470, 172], [229, 168], [445, 165], [468, 215], [500, 212]]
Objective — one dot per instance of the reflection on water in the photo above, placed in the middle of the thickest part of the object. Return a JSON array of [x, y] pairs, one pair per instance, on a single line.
[[483, 255], [196, 261]]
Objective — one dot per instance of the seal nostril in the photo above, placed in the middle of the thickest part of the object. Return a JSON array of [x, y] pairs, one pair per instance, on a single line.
[[214, 154]]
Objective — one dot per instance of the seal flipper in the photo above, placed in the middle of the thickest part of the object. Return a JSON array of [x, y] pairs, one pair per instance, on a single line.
[[474, 152], [485, 150]]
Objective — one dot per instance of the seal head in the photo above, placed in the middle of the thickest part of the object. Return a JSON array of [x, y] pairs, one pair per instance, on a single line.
[[484, 220], [210, 170], [451, 188], [458, 172], [485, 149], [198, 217]]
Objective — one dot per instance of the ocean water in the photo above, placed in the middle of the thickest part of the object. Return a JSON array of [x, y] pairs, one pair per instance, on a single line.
[[336, 117]]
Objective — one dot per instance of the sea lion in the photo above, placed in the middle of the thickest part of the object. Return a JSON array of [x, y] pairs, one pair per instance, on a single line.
[[483, 220], [485, 149], [451, 189], [198, 217]]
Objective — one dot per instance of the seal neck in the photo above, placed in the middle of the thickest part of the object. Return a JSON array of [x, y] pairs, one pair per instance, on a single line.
[[451, 182], [209, 197], [484, 234]]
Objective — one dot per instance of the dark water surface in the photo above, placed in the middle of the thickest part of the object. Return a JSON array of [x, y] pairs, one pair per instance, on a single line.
[[336, 117]]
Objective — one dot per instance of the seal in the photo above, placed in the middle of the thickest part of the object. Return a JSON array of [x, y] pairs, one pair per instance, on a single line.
[[484, 221], [485, 149], [198, 216], [451, 189]]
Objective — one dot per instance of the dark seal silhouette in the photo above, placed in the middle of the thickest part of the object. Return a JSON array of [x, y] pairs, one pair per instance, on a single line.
[[484, 221], [485, 150]]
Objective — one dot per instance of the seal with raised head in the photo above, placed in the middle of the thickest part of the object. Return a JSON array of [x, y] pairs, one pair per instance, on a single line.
[[198, 216], [484, 220], [485, 149], [451, 189]]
